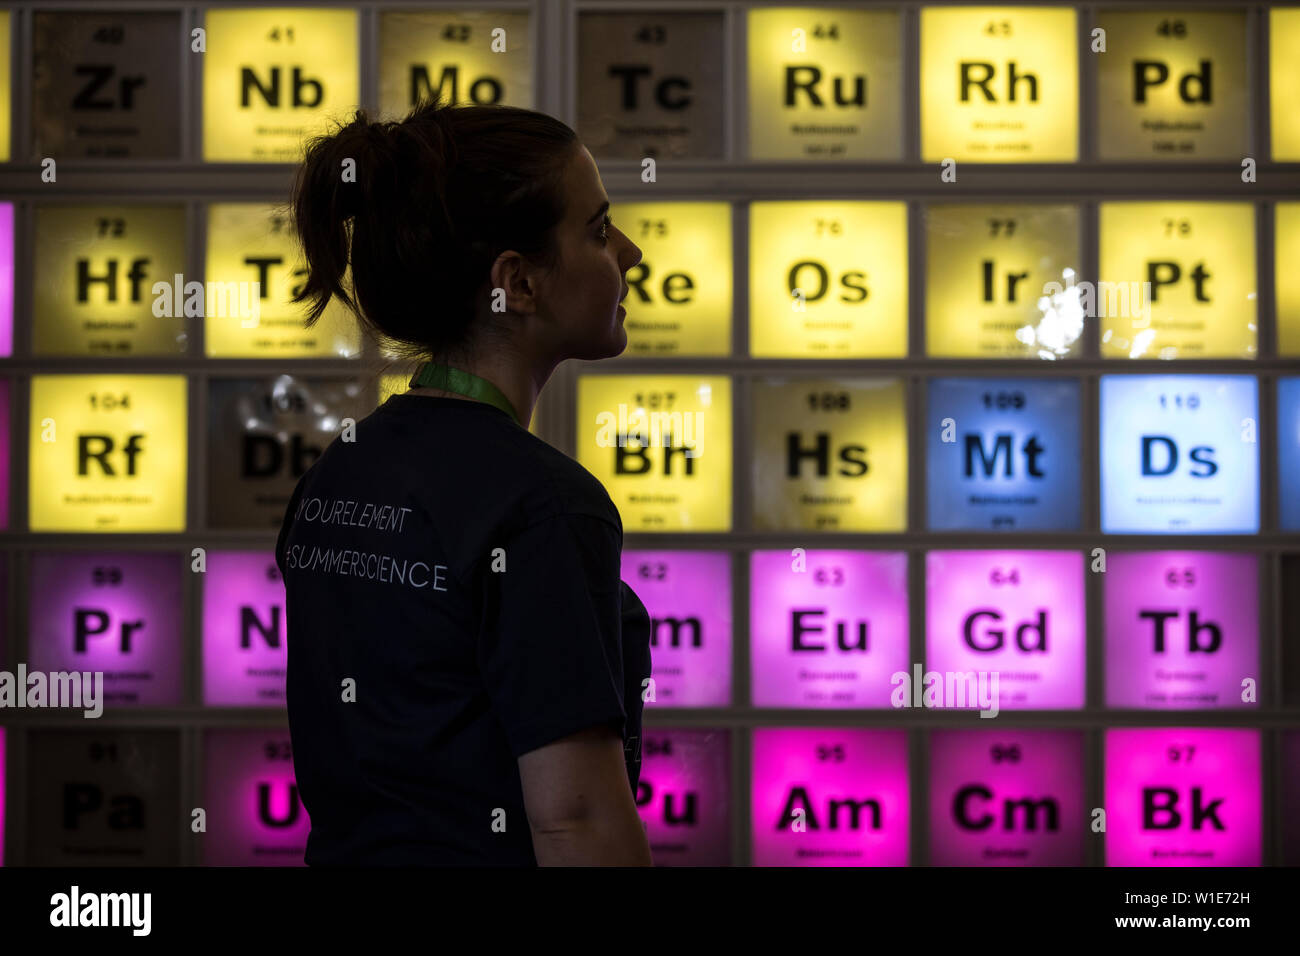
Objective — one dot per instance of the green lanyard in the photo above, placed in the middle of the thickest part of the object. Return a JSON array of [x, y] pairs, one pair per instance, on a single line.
[[432, 375]]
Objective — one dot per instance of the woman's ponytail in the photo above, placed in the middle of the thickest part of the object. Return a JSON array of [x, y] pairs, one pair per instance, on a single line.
[[323, 205], [421, 213]]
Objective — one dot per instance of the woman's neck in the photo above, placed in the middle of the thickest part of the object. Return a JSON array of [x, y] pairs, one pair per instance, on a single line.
[[516, 384]]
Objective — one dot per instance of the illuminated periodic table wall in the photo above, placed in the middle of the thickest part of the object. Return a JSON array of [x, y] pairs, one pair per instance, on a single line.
[[968, 348]]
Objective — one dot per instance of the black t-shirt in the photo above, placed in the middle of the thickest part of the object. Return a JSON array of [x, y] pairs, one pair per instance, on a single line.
[[459, 578]]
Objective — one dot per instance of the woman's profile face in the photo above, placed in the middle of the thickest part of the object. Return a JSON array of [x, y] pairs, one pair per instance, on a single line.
[[579, 297]]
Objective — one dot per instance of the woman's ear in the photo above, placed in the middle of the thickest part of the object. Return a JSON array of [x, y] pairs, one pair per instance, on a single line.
[[517, 280]]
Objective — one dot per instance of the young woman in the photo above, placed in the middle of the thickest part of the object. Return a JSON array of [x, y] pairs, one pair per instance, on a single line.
[[465, 665]]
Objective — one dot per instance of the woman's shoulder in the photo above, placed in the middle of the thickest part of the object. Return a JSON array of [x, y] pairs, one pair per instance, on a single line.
[[558, 484], [505, 473]]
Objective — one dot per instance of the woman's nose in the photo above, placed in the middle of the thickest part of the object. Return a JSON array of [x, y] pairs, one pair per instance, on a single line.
[[634, 255]]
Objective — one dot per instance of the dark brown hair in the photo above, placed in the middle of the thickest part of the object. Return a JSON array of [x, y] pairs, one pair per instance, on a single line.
[[437, 198]]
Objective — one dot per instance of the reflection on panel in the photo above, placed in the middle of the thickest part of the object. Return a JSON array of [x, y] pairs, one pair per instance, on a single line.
[[688, 596], [999, 84], [1181, 630], [661, 446], [651, 85], [1183, 797], [827, 629], [1290, 797], [680, 293], [1177, 280], [830, 455], [1284, 82], [1289, 587], [113, 613], [254, 269], [106, 797], [1286, 253], [4, 625], [106, 85], [1003, 455], [1007, 798], [6, 454], [828, 279], [1172, 85], [684, 796], [244, 654], [1288, 452], [6, 90], [6, 279], [107, 278], [263, 435], [825, 83], [107, 453], [1179, 453], [273, 77], [454, 56], [829, 797], [3, 790], [1000, 281], [1015, 620], [255, 815]]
